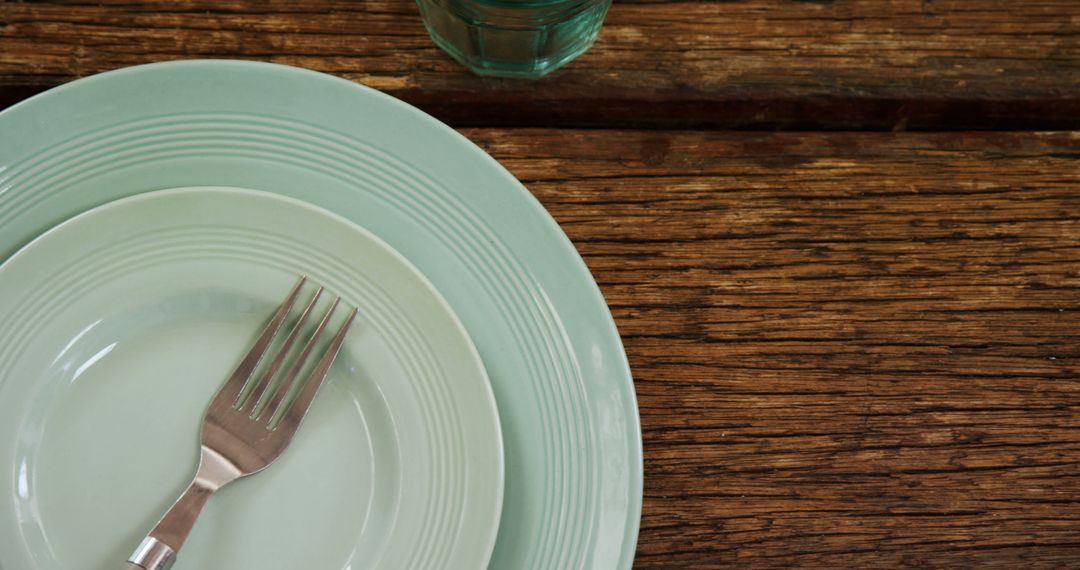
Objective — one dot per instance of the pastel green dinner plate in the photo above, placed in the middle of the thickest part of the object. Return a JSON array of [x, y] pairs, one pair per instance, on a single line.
[[121, 324], [566, 402]]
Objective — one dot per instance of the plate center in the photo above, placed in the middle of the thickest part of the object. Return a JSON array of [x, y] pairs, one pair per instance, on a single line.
[[116, 417]]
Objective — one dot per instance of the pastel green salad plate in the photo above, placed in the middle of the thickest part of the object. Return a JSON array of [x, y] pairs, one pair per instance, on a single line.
[[571, 437], [121, 324]]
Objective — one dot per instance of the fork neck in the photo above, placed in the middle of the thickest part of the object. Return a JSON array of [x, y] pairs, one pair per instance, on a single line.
[[161, 545], [174, 527], [158, 550]]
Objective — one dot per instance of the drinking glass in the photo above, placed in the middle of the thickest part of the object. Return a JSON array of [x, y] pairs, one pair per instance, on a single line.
[[508, 38]]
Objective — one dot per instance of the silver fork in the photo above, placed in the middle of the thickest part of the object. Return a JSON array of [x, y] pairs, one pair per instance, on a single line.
[[240, 437]]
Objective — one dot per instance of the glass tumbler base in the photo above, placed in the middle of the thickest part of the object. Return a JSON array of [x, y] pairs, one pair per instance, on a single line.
[[523, 49]]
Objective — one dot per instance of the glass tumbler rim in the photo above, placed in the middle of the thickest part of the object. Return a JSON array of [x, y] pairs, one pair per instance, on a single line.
[[536, 3]]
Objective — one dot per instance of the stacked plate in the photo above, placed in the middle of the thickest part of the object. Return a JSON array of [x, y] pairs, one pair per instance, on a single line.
[[481, 414]]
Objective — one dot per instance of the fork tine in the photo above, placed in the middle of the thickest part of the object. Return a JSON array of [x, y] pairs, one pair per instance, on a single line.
[[294, 412], [256, 395], [234, 385], [286, 383]]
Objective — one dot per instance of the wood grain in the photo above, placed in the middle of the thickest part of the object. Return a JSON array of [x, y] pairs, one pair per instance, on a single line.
[[755, 64], [850, 350]]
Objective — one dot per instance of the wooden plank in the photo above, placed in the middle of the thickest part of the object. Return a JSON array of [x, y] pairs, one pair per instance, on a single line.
[[758, 64], [850, 350]]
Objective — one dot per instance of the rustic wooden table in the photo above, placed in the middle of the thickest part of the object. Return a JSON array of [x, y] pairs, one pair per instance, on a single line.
[[841, 241]]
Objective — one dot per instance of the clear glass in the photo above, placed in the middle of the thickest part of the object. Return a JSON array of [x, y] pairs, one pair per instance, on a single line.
[[513, 39]]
